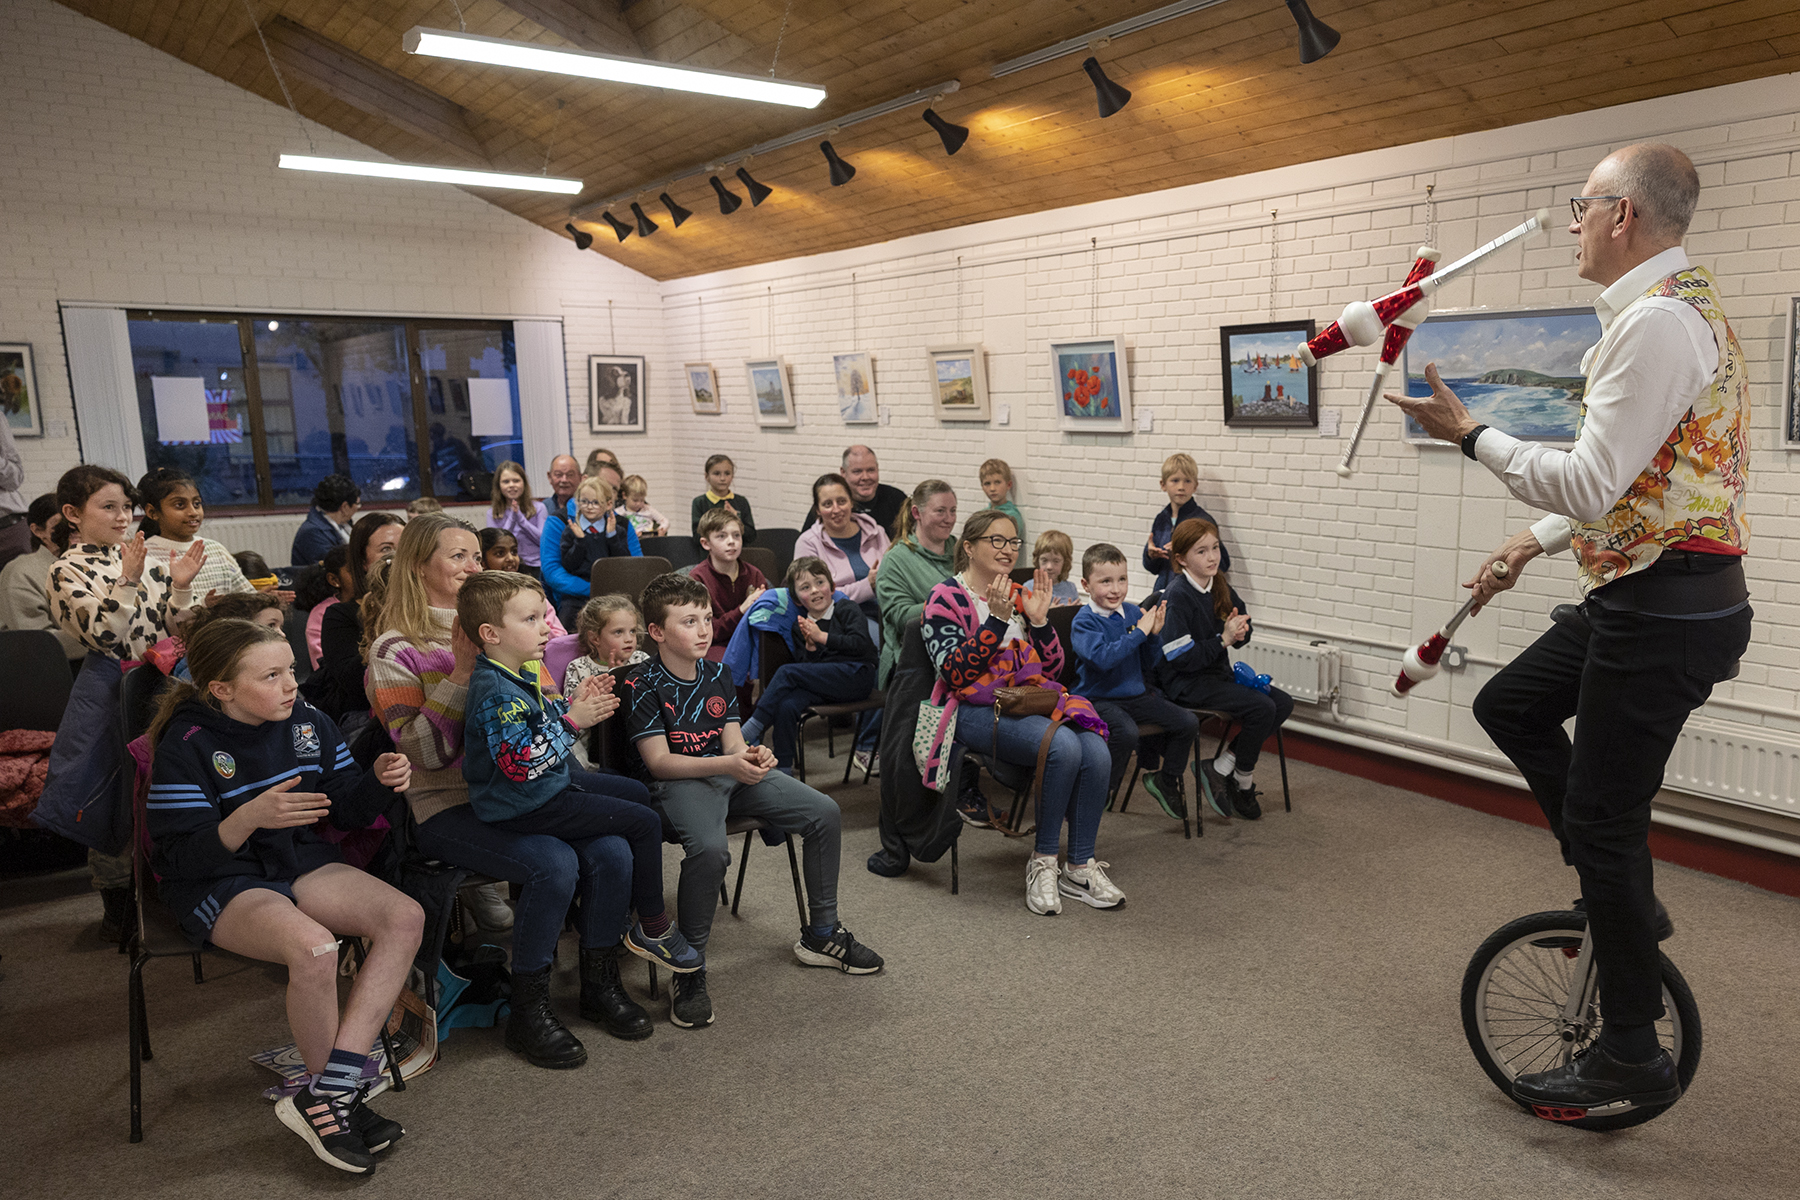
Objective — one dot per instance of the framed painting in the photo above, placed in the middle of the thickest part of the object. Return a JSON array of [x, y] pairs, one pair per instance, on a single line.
[[703, 388], [615, 393], [1519, 371], [1091, 385], [769, 388], [958, 376], [1267, 384], [855, 374], [1790, 425], [19, 396]]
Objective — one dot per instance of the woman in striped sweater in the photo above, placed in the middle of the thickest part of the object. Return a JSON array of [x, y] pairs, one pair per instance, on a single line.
[[420, 661]]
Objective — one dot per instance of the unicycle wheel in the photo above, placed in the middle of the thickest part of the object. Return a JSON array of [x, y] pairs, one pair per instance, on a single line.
[[1513, 996]]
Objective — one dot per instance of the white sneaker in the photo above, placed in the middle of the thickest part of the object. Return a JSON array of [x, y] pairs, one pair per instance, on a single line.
[[1090, 885], [868, 763], [1040, 886], [487, 907]]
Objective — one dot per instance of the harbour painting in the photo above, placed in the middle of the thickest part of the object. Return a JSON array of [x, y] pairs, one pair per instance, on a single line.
[[1266, 381], [1517, 371]]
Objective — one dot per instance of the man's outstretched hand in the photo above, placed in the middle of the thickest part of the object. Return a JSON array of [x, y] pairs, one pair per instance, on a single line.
[[1441, 413]]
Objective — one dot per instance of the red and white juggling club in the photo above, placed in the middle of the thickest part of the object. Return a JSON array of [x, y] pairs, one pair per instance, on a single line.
[[1391, 346], [1421, 662]]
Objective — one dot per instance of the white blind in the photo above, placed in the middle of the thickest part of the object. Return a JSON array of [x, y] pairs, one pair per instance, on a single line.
[[543, 395], [106, 406]]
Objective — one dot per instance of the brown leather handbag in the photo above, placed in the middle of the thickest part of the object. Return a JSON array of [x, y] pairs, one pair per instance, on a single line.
[[1029, 700]]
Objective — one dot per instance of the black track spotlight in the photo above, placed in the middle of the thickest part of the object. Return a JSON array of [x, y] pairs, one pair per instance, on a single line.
[[758, 192], [1316, 37], [582, 239], [675, 210], [646, 226], [954, 135], [729, 201], [619, 227], [1111, 96], [841, 171]]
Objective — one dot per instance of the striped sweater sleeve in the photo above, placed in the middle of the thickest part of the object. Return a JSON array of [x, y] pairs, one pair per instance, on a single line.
[[411, 691]]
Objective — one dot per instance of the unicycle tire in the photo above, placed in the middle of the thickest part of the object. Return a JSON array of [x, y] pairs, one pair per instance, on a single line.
[[1513, 995]]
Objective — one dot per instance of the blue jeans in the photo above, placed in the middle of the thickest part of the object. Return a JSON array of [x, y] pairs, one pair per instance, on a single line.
[[602, 805], [1076, 773], [545, 872], [797, 686]]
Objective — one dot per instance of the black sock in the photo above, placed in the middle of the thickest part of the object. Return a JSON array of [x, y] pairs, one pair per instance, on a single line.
[[1630, 1043]]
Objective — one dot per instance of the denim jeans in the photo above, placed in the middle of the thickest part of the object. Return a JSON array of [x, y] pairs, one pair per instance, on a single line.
[[1629, 680], [795, 687], [596, 805], [546, 873], [1122, 719], [1075, 773], [697, 808]]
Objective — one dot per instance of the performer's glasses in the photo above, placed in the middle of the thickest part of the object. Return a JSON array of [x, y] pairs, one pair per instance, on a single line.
[[1578, 204]]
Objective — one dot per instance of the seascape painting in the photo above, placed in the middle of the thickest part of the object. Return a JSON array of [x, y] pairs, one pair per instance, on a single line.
[[1517, 371], [958, 377], [769, 389], [1266, 381]]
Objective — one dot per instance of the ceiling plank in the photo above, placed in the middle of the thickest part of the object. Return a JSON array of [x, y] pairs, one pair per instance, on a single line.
[[347, 76], [590, 24]]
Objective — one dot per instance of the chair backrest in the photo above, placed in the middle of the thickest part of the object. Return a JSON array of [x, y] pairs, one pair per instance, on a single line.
[[609, 745], [38, 680], [1062, 619], [774, 655], [763, 559], [1023, 575], [913, 655], [779, 542], [627, 575], [294, 626], [681, 551], [137, 699]]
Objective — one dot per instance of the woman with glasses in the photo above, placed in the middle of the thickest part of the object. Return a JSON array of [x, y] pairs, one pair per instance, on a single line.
[[984, 632]]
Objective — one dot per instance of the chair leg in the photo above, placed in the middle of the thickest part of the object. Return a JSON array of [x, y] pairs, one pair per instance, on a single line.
[[1131, 788], [799, 894], [199, 975], [651, 967], [955, 880], [800, 746], [134, 1018], [743, 865], [1287, 801], [856, 728], [830, 741]]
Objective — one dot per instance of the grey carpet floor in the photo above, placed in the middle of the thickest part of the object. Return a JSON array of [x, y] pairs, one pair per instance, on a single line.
[[1273, 1014]]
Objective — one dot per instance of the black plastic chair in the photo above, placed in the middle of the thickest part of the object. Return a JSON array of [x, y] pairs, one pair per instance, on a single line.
[[680, 551], [763, 559], [38, 680], [774, 655], [625, 575]]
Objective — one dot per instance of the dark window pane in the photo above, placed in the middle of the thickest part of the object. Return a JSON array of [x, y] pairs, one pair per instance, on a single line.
[[193, 407], [472, 408], [337, 400]]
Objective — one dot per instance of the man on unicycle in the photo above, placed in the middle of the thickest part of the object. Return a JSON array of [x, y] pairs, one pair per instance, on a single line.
[[1652, 499]]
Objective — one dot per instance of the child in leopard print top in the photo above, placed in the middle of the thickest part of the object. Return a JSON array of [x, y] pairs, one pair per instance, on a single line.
[[103, 591]]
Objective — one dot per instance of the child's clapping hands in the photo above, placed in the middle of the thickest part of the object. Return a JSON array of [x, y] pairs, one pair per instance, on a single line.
[[809, 629], [593, 703]]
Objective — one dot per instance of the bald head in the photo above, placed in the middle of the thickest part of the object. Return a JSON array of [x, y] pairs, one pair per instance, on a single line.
[[862, 472], [565, 473], [1661, 183]]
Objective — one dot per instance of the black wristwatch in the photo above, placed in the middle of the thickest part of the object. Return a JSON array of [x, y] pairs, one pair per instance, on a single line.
[[1469, 440]]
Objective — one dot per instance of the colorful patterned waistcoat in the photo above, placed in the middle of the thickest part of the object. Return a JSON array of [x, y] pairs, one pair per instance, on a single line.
[[1695, 487]]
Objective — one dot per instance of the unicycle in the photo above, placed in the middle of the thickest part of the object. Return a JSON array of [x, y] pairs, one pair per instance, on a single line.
[[1531, 1002]]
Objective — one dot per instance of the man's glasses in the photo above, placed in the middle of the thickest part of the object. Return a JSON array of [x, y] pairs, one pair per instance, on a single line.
[[1578, 204], [1001, 543]]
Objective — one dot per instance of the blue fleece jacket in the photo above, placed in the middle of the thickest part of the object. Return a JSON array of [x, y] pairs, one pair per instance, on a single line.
[[517, 744], [1114, 655]]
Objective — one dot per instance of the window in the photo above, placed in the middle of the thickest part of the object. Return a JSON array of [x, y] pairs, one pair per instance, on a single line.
[[259, 408]]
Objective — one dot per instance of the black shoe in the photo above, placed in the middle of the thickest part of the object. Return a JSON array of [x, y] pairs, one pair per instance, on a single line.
[[534, 1029], [1243, 800], [689, 1005], [1665, 924], [1167, 794], [116, 904], [973, 809], [840, 950], [1596, 1079], [604, 999], [887, 865], [324, 1121], [376, 1131], [1218, 788]]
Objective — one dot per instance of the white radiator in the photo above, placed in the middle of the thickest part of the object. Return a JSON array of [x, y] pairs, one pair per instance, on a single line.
[[272, 536], [1306, 671], [1744, 764]]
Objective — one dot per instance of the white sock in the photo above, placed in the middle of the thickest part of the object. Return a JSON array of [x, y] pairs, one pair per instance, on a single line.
[[1243, 778], [1225, 762]]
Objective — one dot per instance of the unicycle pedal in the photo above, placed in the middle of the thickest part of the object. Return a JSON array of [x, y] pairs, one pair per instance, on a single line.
[[1550, 1112]]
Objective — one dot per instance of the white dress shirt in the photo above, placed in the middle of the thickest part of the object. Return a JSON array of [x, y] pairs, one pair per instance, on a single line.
[[1653, 359]]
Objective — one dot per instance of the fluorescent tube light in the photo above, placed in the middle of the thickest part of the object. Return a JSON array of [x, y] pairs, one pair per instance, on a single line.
[[386, 170], [499, 52]]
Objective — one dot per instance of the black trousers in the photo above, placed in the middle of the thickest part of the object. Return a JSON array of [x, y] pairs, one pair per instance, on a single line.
[[1258, 712], [1630, 680]]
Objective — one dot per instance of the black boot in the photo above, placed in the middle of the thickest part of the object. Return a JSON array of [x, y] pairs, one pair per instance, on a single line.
[[604, 999], [534, 1030], [117, 914]]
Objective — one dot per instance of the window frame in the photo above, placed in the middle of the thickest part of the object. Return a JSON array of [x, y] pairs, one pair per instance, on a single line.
[[246, 326]]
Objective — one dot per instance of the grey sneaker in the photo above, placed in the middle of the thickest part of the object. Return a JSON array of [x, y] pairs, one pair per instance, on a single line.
[[689, 1005], [1218, 788]]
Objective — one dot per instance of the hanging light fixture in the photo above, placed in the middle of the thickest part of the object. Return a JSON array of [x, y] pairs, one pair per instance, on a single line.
[[645, 225], [1110, 95], [954, 135], [392, 170], [675, 210], [841, 171], [583, 239], [619, 227], [758, 192], [1317, 39], [729, 201]]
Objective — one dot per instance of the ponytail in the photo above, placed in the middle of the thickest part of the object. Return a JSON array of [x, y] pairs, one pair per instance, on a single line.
[[906, 527], [153, 489]]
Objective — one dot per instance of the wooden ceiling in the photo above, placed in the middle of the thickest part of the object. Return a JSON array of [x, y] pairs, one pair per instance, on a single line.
[[1215, 94]]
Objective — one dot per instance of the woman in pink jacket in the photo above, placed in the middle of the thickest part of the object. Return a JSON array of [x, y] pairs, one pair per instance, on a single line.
[[851, 543]]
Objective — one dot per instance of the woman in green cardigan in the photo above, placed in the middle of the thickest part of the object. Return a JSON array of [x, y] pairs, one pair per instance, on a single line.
[[922, 556]]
